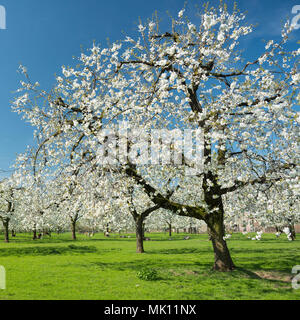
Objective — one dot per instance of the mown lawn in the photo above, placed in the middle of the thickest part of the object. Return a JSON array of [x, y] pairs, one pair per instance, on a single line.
[[106, 268]]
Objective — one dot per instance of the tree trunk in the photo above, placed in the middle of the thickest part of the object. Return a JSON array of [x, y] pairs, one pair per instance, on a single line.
[[34, 237], [278, 229], [143, 230], [216, 231], [6, 232], [73, 229], [170, 229], [139, 235], [292, 231], [13, 233]]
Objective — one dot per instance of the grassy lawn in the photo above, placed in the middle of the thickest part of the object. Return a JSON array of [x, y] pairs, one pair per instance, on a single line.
[[106, 268]]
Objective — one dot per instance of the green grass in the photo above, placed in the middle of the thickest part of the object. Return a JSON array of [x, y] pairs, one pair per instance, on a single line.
[[107, 268]]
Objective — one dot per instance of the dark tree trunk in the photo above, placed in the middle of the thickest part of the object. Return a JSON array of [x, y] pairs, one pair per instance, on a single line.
[[278, 229], [216, 231], [73, 229], [6, 232], [34, 237], [223, 261], [292, 231], [13, 233], [143, 230], [139, 231], [170, 229]]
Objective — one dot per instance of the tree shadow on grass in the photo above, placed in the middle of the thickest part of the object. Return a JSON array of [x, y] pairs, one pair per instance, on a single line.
[[248, 273], [276, 278], [45, 251], [200, 270], [268, 260], [137, 265], [273, 260], [181, 251]]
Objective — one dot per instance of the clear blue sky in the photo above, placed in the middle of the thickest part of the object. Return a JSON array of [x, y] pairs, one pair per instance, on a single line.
[[44, 35]]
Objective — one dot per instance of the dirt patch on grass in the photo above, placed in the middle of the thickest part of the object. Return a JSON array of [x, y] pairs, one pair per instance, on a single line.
[[191, 272], [175, 273], [183, 272], [271, 275]]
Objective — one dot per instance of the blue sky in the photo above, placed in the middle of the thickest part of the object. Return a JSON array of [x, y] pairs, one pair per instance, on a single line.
[[43, 35]]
